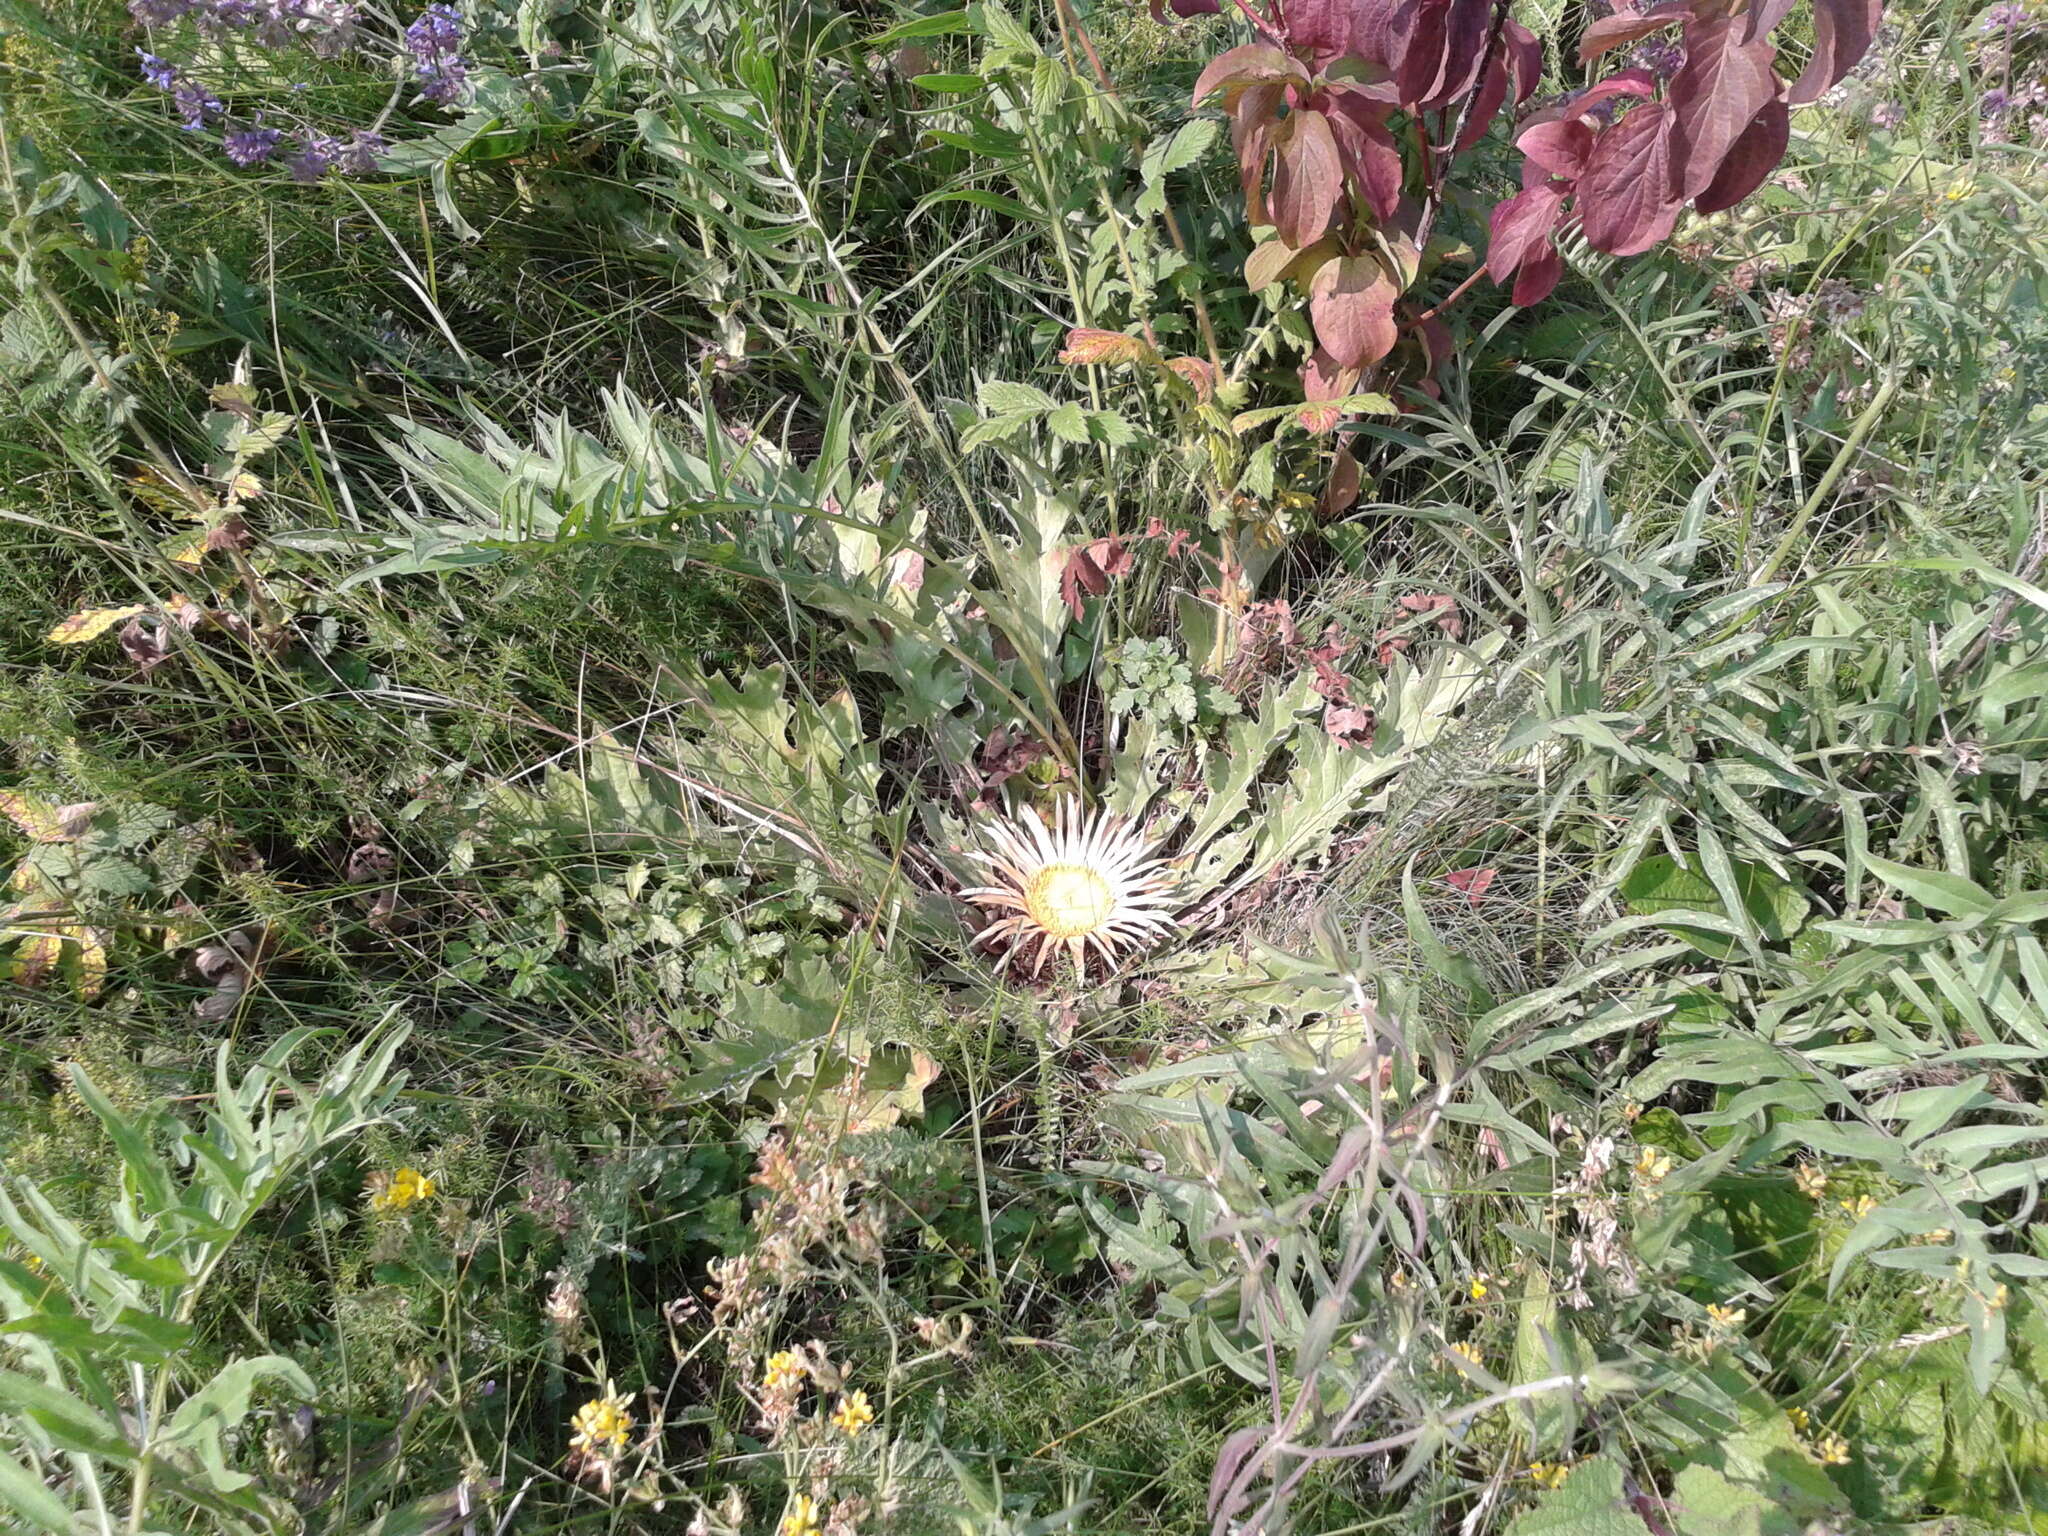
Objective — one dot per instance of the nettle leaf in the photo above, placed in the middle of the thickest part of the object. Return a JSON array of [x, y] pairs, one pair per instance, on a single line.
[[1001, 397], [1724, 84], [1351, 305], [1591, 1503], [1625, 201], [1843, 31]]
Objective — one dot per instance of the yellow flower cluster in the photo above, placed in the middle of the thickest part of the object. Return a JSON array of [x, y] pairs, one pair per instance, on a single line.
[[1859, 1208], [1811, 1180], [1726, 1317], [1466, 1351], [801, 1519], [1549, 1474], [785, 1369], [397, 1191], [603, 1424], [1654, 1165], [853, 1415]]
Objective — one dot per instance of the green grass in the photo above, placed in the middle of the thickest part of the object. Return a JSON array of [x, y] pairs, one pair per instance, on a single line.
[[630, 775]]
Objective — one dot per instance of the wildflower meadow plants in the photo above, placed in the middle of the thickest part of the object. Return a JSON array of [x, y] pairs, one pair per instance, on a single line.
[[949, 767]]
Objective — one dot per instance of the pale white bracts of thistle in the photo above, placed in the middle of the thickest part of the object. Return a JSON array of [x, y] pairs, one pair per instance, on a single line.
[[1084, 882]]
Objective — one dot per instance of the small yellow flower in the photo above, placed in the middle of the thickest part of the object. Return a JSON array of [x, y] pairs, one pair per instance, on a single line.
[[785, 1368], [603, 1424], [1832, 1450], [1727, 1317], [1997, 1299], [801, 1518], [1478, 1287], [1653, 1165], [1466, 1351], [1936, 1236], [1399, 1280], [1860, 1207], [1549, 1474], [853, 1414], [1799, 1419], [397, 1191], [1811, 1179]]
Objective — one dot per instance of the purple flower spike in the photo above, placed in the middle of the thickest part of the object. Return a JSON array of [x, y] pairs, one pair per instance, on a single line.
[[160, 73], [195, 104], [251, 145]]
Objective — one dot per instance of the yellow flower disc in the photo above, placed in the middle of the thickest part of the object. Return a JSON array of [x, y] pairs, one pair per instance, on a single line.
[[1069, 901]]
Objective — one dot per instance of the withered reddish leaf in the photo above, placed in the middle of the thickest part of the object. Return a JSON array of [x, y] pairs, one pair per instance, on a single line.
[[1351, 305], [1764, 15], [1750, 159], [1089, 569], [1724, 84], [1307, 178], [1185, 8], [1538, 277], [1613, 31], [1199, 373], [1440, 604], [1348, 725], [1086, 345], [1366, 149], [1244, 66], [1560, 146], [1521, 229], [1624, 200], [1475, 883], [1842, 34], [1340, 494]]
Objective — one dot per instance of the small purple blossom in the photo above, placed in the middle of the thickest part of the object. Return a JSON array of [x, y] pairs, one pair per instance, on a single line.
[[318, 154], [195, 104], [360, 157], [1887, 115], [434, 39], [161, 73], [1662, 57], [158, 13], [2006, 18], [251, 145], [1994, 103]]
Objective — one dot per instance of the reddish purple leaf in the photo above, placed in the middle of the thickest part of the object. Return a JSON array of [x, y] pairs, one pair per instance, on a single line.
[[1627, 82], [1367, 149], [1525, 58], [1332, 29], [1763, 15], [1351, 305], [1521, 228], [1537, 278], [1560, 147], [1493, 90], [1842, 34], [1185, 8], [1307, 178], [1613, 31], [1243, 66], [1624, 200], [1724, 84], [1251, 135], [1750, 159]]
